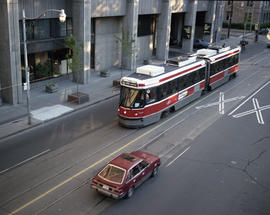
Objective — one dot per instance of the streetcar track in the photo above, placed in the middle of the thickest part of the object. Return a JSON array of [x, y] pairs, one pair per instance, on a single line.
[[146, 144], [68, 168]]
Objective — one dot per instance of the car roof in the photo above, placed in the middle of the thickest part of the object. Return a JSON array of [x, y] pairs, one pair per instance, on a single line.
[[125, 160]]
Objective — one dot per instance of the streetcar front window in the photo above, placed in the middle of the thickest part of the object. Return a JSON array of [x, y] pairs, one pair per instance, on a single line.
[[131, 98]]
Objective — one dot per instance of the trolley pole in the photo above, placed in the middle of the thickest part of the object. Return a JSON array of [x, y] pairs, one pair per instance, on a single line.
[[230, 19]]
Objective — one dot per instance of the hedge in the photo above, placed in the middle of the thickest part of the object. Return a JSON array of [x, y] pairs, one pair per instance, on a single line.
[[241, 25]]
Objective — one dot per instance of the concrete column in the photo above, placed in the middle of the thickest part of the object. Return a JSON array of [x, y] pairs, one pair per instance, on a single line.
[[218, 21], [164, 30], [190, 20], [81, 18], [210, 18], [131, 25], [10, 60]]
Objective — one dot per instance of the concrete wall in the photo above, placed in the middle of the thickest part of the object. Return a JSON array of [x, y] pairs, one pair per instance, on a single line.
[[107, 52], [10, 60], [149, 6], [34, 8], [202, 6], [103, 8], [144, 47], [178, 6]]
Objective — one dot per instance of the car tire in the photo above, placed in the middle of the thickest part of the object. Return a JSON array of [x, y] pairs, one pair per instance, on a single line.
[[130, 192], [155, 172]]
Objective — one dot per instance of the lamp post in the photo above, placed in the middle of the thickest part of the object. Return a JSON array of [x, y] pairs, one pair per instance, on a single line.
[[62, 18]]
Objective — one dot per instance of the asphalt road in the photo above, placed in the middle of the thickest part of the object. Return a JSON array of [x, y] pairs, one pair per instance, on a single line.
[[223, 168], [225, 171]]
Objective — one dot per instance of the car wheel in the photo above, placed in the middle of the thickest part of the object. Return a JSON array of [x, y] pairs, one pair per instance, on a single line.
[[130, 192], [155, 171]]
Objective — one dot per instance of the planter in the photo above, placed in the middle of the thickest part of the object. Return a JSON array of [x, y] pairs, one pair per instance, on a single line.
[[104, 73], [146, 61], [51, 88], [116, 83], [78, 98]]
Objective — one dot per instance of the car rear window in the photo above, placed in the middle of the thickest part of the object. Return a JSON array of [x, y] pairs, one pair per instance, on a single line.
[[113, 174]]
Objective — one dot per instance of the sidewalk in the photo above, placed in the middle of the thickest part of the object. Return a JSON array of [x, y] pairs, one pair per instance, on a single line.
[[48, 106]]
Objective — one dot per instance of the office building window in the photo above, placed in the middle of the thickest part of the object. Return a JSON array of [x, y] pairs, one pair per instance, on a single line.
[[46, 28], [41, 29], [146, 25]]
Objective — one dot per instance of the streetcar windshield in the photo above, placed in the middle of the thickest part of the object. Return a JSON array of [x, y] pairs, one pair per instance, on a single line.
[[131, 98]]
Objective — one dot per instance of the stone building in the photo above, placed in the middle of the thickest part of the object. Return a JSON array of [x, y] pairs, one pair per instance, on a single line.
[[255, 12], [153, 24]]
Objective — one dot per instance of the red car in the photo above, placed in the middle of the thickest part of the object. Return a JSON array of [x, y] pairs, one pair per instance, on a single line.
[[126, 172]]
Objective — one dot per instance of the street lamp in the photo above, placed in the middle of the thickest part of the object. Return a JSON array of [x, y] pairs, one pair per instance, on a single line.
[[62, 18]]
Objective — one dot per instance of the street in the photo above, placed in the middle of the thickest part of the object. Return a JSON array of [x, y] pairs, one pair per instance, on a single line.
[[214, 155]]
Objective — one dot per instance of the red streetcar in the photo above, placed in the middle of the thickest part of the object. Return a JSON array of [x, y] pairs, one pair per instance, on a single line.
[[126, 172], [154, 90]]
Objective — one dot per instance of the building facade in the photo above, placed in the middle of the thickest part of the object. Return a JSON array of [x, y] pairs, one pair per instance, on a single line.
[[252, 12], [154, 25]]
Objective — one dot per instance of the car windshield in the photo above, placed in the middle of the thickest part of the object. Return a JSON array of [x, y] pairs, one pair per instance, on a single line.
[[131, 98], [113, 174]]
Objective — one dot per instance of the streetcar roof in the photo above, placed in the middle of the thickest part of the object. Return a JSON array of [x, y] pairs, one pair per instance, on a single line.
[[216, 53], [169, 71]]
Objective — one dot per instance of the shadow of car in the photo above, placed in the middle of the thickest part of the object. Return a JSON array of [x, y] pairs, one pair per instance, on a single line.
[[199, 44]]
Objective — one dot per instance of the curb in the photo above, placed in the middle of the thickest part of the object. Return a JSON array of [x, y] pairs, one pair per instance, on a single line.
[[56, 118]]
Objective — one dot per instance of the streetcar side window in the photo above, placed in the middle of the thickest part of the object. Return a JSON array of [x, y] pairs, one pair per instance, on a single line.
[[151, 95]]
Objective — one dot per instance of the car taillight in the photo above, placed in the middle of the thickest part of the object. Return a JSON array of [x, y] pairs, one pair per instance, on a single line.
[[118, 191], [94, 181]]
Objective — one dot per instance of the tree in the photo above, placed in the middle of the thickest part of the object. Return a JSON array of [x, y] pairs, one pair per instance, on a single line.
[[76, 64], [127, 45]]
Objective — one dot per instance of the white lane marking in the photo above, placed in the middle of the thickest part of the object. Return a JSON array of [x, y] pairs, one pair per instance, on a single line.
[[221, 102], [178, 156], [31, 158], [160, 134], [249, 97], [257, 109]]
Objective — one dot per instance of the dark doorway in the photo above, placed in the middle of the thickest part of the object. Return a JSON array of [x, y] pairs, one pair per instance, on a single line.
[[93, 33], [177, 24], [200, 20]]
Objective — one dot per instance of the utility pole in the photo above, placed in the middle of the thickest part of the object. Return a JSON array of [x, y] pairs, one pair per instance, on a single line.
[[230, 2]]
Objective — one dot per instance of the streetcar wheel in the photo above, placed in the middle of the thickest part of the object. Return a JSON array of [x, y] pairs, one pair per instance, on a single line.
[[172, 109], [164, 114]]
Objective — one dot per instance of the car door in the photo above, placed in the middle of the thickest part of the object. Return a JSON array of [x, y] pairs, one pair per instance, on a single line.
[[145, 170], [134, 177]]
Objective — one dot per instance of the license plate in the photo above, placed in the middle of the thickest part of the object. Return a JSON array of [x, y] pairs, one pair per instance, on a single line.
[[105, 187]]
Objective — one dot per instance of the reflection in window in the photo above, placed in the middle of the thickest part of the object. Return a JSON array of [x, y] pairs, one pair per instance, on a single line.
[[41, 29], [151, 95], [131, 97]]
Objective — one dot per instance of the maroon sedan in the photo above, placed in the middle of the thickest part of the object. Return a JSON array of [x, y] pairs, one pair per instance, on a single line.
[[126, 172]]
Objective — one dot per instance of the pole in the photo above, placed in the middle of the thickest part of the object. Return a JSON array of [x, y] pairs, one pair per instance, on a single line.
[[230, 19], [26, 69]]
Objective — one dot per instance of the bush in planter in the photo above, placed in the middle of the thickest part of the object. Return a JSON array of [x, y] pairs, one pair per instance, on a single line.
[[104, 73], [51, 87]]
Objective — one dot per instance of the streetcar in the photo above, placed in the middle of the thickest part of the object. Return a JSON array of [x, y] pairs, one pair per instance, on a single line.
[[154, 90]]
